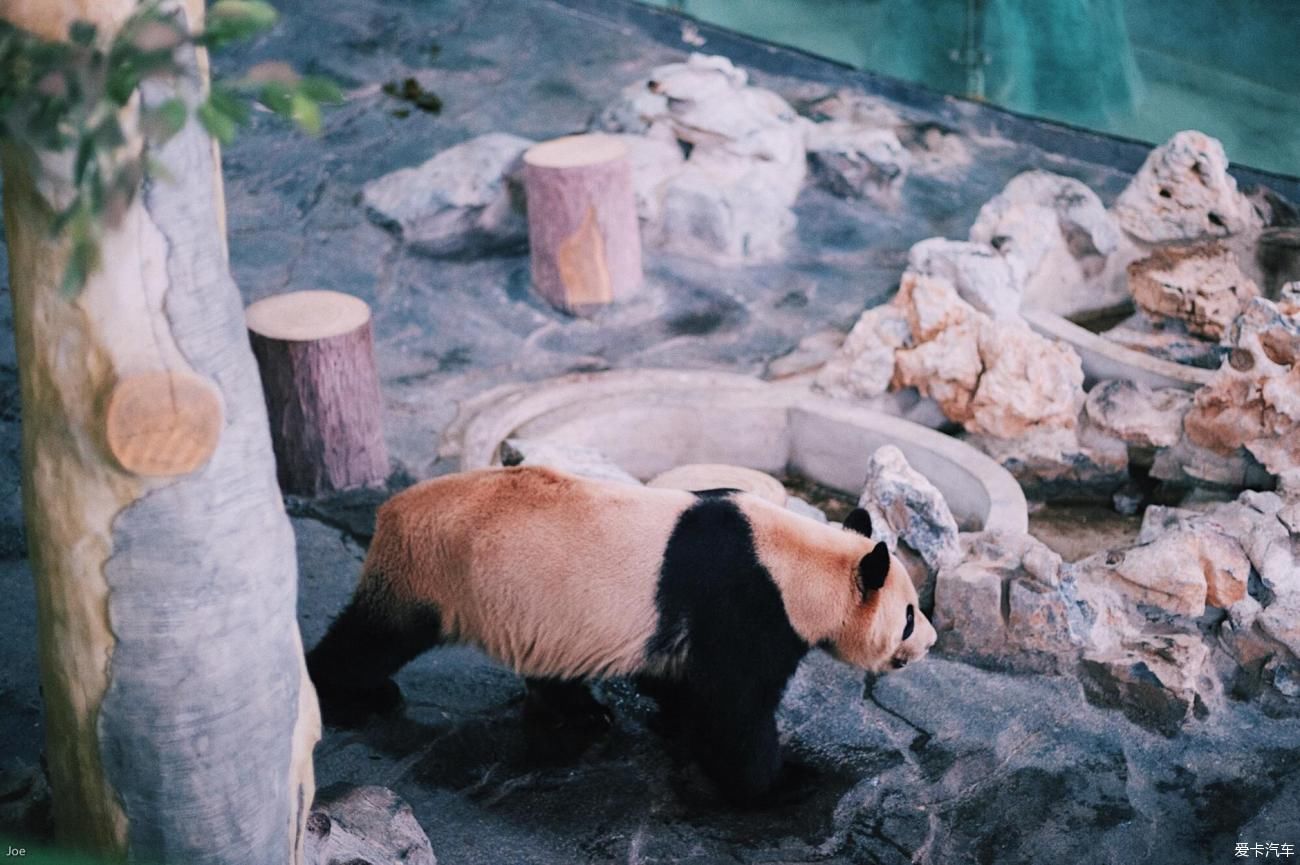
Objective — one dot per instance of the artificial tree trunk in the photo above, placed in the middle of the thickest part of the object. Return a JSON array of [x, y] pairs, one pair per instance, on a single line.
[[179, 717]]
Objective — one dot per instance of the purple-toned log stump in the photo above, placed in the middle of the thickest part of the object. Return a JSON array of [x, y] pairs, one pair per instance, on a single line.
[[316, 355], [582, 222]]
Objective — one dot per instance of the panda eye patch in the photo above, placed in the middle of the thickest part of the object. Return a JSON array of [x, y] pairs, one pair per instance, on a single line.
[[911, 622]]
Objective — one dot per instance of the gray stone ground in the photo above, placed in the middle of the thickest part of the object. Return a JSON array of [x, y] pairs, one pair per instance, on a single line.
[[946, 764]]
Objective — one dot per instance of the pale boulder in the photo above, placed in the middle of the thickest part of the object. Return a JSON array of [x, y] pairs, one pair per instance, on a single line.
[[1202, 286], [1137, 414], [983, 277], [905, 506], [1183, 191], [465, 199]]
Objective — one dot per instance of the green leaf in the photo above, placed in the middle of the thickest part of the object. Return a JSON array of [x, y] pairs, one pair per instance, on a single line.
[[320, 90], [306, 114], [166, 120], [231, 20], [220, 126], [278, 97]]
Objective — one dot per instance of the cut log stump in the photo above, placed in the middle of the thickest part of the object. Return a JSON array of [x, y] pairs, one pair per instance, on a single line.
[[582, 223], [315, 350]]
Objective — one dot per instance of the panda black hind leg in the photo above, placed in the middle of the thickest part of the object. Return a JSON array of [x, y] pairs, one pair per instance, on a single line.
[[553, 703], [373, 638]]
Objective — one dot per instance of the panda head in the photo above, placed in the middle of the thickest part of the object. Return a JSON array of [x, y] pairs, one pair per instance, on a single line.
[[884, 628]]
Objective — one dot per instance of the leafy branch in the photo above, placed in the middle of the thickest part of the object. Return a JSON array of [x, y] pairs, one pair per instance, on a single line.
[[68, 97]]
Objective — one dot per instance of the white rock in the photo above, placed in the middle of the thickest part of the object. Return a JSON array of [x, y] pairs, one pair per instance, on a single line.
[[1165, 573], [736, 129], [571, 458], [655, 162], [1155, 679], [1064, 238], [856, 161], [983, 277], [732, 221], [1183, 192], [1050, 460], [372, 825], [1254, 399], [462, 200], [1029, 382], [864, 365], [905, 505], [1138, 414]]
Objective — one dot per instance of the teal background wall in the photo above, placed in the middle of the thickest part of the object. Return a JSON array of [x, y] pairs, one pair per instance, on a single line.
[[1139, 68]]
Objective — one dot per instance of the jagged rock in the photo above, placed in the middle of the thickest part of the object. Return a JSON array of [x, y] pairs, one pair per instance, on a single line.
[[1183, 192], [575, 459], [1253, 402], [1165, 573], [905, 506], [856, 161], [864, 365], [463, 200], [1137, 414], [1222, 559], [731, 220], [983, 277], [655, 162], [1006, 605], [1047, 461], [1201, 285], [997, 378], [364, 826], [1029, 382], [1154, 679], [1252, 525], [1063, 237], [968, 613], [731, 199]]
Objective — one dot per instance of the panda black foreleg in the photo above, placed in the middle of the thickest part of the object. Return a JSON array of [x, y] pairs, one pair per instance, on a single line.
[[371, 639], [737, 746], [564, 703]]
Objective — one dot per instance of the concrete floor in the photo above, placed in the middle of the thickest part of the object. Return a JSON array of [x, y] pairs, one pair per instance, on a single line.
[[1007, 769]]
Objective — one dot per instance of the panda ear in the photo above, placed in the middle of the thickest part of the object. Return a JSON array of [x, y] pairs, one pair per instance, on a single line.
[[872, 570], [859, 521]]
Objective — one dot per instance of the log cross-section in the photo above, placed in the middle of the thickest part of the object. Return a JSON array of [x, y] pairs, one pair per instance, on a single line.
[[582, 223], [315, 350]]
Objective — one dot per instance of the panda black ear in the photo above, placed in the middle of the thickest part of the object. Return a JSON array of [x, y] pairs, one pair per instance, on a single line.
[[859, 521], [872, 570]]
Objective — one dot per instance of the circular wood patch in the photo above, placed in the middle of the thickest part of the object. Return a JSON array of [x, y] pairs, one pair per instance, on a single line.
[[712, 476], [162, 424], [302, 316], [575, 151]]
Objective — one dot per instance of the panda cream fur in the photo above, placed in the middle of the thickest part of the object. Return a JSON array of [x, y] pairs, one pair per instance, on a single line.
[[711, 599]]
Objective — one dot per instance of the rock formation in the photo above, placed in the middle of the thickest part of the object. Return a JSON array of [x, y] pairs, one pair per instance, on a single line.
[[1184, 192], [1068, 247], [464, 200], [1201, 285]]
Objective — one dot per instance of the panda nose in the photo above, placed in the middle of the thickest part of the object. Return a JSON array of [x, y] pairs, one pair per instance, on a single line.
[[898, 663]]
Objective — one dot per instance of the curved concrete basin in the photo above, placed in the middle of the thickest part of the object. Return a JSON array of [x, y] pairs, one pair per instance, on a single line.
[[649, 421], [1103, 359]]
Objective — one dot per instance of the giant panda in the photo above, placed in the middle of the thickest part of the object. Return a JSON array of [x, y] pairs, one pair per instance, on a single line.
[[709, 598]]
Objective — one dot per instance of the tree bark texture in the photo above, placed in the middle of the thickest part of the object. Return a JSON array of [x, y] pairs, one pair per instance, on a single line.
[[322, 391], [583, 231], [179, 716]]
